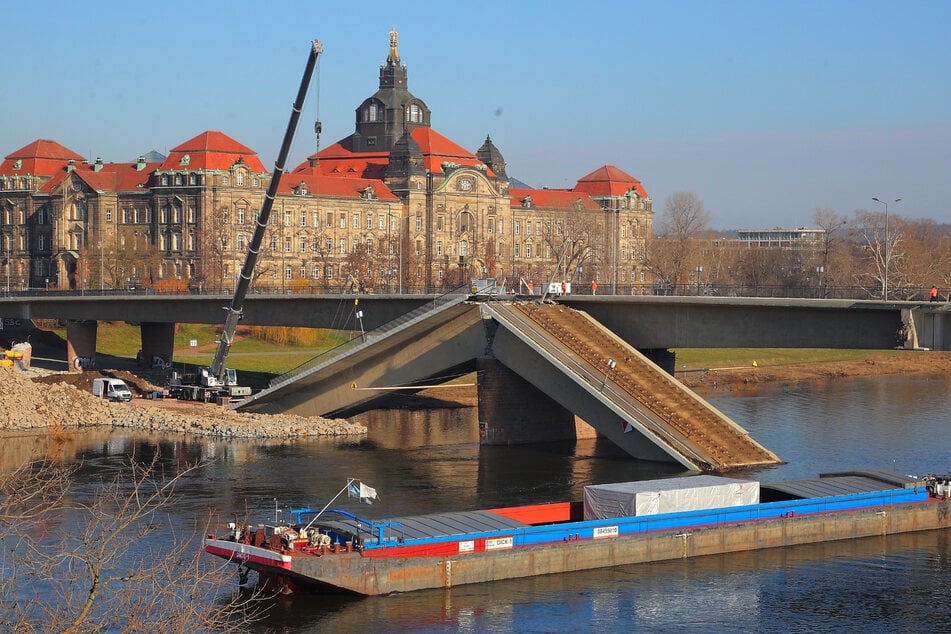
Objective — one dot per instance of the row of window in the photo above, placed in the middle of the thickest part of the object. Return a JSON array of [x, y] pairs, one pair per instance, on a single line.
[[9, 184], [329, 271], [192, 179], [374, 112]]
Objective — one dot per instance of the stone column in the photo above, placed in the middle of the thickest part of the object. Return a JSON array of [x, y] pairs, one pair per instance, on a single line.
[[513, 411], [158, 344], [81, 345]]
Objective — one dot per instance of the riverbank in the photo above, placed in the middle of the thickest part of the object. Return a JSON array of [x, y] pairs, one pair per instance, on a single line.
[[63, 400], [917, 363], [33, 402], [706, 381]]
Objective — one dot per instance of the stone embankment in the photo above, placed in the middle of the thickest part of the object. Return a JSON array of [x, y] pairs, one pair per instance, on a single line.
[[30, 405]]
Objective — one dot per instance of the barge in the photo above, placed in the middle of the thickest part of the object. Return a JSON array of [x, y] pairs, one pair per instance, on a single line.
[[614, 525]]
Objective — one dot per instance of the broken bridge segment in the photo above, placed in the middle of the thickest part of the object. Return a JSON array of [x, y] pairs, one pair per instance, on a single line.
[[437, 340], [588, 370], [546, 363]]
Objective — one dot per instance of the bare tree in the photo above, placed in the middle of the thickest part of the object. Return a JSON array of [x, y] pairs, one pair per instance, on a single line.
[[883, 252], [684, 219], [926, 246], [572, 238], [833, 249], [114, 563]]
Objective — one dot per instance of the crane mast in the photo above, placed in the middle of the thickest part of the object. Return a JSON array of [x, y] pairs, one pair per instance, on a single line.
[[218, 369]]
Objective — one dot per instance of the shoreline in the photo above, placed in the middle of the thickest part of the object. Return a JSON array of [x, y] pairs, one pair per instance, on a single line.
[[923, 364], [53, 404], [50, 403]]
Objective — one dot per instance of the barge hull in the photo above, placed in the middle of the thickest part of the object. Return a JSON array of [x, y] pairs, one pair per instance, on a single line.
[[364, 575]]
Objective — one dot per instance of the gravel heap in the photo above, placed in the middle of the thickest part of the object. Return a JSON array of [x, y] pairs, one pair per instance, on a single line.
[[31, 405]]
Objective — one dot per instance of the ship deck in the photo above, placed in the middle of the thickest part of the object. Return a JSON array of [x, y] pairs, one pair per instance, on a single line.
[[429, 526]]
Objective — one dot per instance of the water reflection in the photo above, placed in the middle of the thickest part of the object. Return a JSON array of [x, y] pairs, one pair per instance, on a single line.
[[431, 461], [836, 586]]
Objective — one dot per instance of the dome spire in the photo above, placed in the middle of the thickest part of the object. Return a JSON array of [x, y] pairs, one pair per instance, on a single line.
[[394, 55]]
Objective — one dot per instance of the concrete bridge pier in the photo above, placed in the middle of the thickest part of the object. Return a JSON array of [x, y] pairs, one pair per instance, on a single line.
[[513, 411], [927, 328], [158, 344], [662, 357], [81, 344]]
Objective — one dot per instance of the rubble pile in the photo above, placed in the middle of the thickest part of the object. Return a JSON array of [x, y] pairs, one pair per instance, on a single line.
[[29, 404]]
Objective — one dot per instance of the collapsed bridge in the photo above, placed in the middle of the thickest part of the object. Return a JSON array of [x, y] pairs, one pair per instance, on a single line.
[[539, 366]]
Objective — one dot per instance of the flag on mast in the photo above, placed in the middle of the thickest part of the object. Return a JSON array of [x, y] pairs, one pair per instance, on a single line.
[[356, 489]]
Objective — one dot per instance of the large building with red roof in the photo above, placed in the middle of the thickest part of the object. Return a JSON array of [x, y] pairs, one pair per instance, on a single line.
[[393, 206]]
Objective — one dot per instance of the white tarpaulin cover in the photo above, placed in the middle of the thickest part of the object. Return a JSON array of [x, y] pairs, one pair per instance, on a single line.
[[650, 497]]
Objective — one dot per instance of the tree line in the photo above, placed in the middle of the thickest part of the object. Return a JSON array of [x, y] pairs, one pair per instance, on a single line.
[[858, 255]]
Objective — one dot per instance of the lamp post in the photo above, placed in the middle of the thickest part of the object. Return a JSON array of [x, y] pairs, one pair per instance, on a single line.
[[7, 242], [400, 250], [699, 270], [885, 248], [819, 271], [611, 363]]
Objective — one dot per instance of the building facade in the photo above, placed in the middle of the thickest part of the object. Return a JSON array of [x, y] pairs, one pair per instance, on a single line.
[[393, 207]]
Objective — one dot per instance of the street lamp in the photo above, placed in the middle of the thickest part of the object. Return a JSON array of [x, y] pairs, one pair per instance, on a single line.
[[699, 270], [399, 219], [885, 248], [611, 365], [819, 271], [7, 243]]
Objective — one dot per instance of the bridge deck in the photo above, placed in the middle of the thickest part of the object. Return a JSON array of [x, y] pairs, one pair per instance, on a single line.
[[716, 440]]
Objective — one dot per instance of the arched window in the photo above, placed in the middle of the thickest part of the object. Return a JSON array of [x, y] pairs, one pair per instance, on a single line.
[[373, 112], [466, 222], [414, 114]]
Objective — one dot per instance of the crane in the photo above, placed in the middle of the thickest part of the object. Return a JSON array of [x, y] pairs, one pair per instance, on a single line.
[[218, 381]]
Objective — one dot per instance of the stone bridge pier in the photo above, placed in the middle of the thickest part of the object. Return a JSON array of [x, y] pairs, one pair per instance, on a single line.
[[513, 411], [157, 344], [81, 345]]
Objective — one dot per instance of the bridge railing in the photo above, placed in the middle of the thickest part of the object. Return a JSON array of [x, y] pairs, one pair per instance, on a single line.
[[440, 302], [681, 290]]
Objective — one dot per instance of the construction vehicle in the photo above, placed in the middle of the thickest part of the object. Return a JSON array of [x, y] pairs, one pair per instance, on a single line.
[[205, 386], [114, 390], [218, 383]]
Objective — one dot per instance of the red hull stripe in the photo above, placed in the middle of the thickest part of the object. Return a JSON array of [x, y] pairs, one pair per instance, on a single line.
[[242, 553]]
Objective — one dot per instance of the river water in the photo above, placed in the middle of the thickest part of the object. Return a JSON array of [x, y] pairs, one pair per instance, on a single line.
[[427, 461]]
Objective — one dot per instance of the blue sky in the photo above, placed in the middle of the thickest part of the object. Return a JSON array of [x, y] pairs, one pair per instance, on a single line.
[[766, 110]]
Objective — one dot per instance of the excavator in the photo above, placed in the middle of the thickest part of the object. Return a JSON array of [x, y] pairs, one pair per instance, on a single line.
[[217, 382]]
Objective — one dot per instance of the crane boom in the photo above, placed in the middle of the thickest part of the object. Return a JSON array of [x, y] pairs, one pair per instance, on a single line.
[[244, 281]]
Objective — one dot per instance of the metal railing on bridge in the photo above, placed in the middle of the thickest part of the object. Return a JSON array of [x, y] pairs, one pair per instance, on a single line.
[[674, 290], [441, 302]]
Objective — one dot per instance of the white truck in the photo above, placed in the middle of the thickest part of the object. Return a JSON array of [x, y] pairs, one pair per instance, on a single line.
[[111, 389]]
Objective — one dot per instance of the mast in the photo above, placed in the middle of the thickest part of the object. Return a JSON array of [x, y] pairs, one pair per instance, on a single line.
[[244, 282]]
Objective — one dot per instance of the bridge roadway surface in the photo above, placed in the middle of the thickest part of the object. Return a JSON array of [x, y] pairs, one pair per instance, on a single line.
[[648, 394], [645, 322], [561, 352]]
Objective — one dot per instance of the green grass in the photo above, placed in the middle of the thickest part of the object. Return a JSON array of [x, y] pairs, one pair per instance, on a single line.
[[255, 355], [123, 340], [740, 357], [268, 364]]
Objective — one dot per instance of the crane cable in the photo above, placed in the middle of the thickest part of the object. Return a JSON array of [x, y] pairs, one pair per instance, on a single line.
[[317, 125]]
